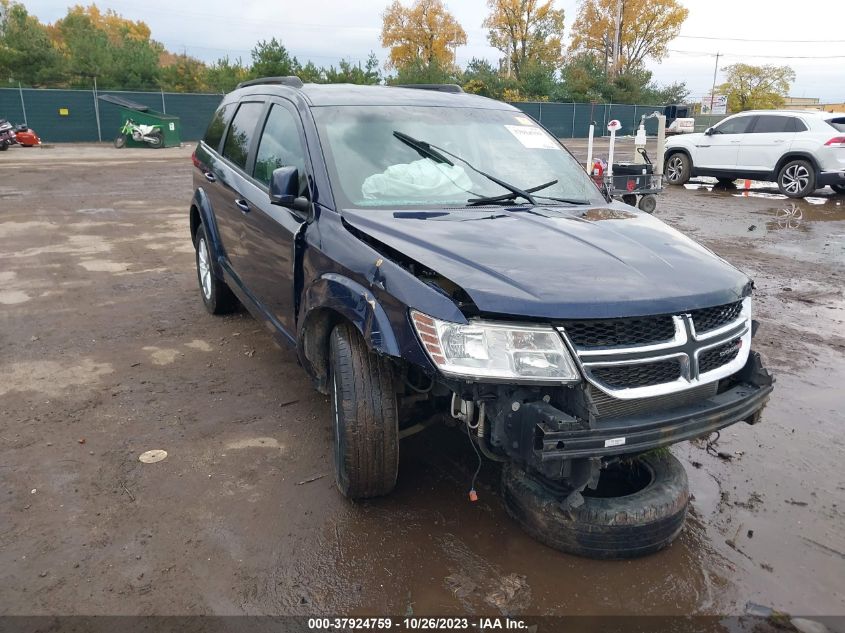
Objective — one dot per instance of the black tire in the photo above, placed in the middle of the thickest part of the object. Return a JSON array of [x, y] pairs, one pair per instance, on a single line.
[[677, 169], [612, 527], [216, 295], [364, 417], [630, 199], [648, 203], [4, 146], [120, 141], [159, 140], [838, 188], [797, 179]]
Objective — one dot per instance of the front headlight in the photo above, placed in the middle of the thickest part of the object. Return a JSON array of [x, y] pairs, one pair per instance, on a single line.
[[484, 349]]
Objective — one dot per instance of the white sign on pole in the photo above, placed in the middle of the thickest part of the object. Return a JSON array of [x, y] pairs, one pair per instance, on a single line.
[[720, 104]]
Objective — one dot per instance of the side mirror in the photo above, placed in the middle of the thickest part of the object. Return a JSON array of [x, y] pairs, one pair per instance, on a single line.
[[284, 191]]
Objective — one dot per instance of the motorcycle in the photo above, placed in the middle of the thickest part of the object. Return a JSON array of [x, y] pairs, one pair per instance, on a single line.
[[7, 135], [26, 136], [149, 134]]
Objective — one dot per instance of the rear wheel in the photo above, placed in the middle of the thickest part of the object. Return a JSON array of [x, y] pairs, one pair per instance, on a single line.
[[797, 179], [364, 417], [120, 141], [630, 199], [216, 296], [648, 203], [3, 146], [838, 188], [156, 139], [638, 508], [677, 170]]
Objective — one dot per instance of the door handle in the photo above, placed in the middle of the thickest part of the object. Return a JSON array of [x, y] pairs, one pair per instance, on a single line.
[[209, 176], [242, 204], [732, 142], [780, 140]]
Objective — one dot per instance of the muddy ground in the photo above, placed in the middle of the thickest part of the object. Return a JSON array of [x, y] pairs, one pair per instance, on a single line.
[[106, 352]]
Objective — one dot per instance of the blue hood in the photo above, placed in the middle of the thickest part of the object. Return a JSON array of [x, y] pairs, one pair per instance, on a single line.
[[560, 262]]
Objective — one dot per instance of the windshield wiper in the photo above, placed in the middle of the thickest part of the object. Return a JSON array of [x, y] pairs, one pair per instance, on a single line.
[[434, 152], [509, 196], [423, 149]]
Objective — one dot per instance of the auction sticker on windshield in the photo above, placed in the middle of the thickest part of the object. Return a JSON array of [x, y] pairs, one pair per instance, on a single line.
[[532, 137]]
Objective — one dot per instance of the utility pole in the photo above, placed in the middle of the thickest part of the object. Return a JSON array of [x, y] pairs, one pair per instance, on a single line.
[[617, 36], [713, 89]]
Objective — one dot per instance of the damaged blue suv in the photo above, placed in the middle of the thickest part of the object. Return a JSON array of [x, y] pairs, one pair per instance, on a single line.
[[435, 256]]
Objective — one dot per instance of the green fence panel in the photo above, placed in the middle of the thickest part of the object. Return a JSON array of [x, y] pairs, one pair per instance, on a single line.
[[10, 106], [61, 116], [193, 110]]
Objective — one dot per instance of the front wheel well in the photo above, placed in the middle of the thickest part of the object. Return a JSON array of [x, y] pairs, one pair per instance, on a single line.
[[195, 222], [790, 157], [314, 341]]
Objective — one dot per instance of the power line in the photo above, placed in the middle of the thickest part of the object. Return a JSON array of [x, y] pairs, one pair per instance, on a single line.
[[752, 55], [743, 39]]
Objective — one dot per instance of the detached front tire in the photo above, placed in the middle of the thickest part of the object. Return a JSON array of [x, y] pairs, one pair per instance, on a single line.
[[610, 524], [364, 417]]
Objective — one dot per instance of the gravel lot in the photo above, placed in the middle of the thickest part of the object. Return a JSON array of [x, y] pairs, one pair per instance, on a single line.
[[106, 352]]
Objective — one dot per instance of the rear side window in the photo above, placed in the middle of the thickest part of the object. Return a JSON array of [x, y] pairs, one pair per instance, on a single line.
[[739, 125], [239, 138], [214, 133], [280, 146], [838, 123], [770, 124]]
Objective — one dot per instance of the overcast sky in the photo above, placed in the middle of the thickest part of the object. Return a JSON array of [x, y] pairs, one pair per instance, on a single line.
[[327, 30]]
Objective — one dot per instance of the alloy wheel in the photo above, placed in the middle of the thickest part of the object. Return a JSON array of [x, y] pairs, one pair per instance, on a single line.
[[795, 179], [204, 268], [675, 169]]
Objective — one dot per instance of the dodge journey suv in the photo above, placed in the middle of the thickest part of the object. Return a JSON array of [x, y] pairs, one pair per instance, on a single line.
[[435, 256]]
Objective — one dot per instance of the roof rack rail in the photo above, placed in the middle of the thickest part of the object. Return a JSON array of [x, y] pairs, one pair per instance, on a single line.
[[450, 88], [291, 81]]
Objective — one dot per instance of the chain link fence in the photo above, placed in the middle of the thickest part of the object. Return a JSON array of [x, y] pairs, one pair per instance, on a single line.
[[61, 116]]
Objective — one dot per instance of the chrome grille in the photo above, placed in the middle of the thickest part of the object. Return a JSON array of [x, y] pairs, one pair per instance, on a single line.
[[619, 332], [638, 375], [638, 358], [708, 319], [608, 407]]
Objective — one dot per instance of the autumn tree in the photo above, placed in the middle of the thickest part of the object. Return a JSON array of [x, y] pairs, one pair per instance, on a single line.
[[526, 31], [756, 87], [115, 50], [646, 29], [422, 35], [182, 73]]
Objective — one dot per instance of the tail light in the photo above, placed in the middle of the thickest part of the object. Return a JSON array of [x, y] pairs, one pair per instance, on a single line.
[[836, 141], [195, 160]]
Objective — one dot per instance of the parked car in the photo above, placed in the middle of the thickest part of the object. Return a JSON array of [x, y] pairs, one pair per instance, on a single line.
[[435, 256], [800, 150], [681, 126]]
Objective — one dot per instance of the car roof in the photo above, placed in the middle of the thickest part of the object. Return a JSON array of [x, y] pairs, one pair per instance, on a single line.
[[352, 94], [811, 113]]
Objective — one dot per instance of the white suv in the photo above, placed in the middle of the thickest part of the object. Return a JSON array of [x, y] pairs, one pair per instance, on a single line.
[[800, 150]]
